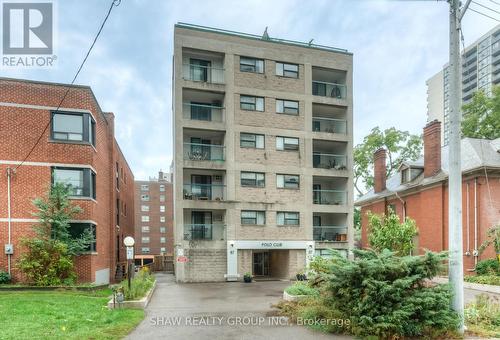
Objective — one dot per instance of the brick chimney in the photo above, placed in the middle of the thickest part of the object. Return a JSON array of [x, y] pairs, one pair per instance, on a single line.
[[432, 148], [379, 158]]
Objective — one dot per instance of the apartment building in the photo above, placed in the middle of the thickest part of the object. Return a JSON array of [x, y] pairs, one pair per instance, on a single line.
[[480, 72], [419, 190], [262, 154], [154, 233], [77, 147]]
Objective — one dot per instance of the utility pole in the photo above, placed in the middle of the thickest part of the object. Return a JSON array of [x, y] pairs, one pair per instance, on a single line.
[[456, 269]]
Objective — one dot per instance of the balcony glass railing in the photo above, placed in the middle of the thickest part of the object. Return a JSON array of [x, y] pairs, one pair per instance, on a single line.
[[330, 233], [331, 197], [204, 112], [321, 88], [329, 161], [206, 74], [330, 125], [207, 192], [204, 231], [203, 152]]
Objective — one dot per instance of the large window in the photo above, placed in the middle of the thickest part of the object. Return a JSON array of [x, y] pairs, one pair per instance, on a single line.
[[145, 218], [288, 181], [80, 181], [69, 126], [251, 103], [287, 218], [287, 106], [250, 140], [287, 143], [253, 217], [287, 70], [76, 230], [253, 179], [251, 65]]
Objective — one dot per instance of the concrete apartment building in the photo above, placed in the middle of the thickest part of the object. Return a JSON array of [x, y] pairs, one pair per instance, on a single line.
[[79, 148], [419, 190], [480, 71], [154, 233], [263, 154]]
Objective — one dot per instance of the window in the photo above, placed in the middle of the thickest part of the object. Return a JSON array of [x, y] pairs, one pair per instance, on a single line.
[[253, 179], [287, 143], [145, 229], [79, 127], [163, 249], [162, 219], [162, 187], [145, 198], [145, 218], [288, 181], [251, 103], [287, 106], [287, 218], [287, 70], [145, 239], [163, 230], [163, 240], [145, 208], [81, 181], [249, 140], [253, 217], [251, 65], [162, 198], [162, 208], [405, 175], [144, 187], [145, 250], [76, 230]]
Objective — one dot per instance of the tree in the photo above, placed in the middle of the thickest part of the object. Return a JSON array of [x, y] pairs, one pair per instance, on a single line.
[[387, 232], [400, 145], [493, 238], [481, 116]]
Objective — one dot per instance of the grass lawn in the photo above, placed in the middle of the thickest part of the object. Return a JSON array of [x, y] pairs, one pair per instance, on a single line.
[[64, 315]]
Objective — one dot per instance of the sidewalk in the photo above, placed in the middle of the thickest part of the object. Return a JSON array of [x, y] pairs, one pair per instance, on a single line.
[[471, 290]]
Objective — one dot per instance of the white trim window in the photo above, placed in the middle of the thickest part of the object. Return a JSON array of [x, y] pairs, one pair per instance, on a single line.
[[287, 143], [290, 107], [145, 218], [163, 230], [287, 218], [145, 250], [253, 179], [251, 103], [162, 198], [287, 181], [144, 187], [251, 140], [162, 208], [253, 217], [287, 70], [253, 65], [162, 187], [145, 208], [163, 239], [162, 219], [145, 229], [145, 239], [145, 197]]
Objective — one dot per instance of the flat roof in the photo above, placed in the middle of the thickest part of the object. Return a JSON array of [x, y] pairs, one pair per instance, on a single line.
[[261, 38]]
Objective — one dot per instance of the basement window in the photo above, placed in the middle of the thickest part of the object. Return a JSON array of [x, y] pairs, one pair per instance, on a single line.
[[73, 127]]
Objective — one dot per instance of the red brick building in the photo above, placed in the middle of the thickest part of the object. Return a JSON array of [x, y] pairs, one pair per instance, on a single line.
[[154, 233], [419, 190], [77, 146]]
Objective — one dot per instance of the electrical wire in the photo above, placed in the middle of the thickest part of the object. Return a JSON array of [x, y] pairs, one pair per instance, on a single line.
[[488, 8], [486, 15], [114, 3]]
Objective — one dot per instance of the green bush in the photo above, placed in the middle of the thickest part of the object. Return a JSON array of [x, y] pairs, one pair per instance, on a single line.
[[301, 288], [46, 262], [4, 277], [488, 267], [387, 296], [483, 279], [482, 317], [140, 284]]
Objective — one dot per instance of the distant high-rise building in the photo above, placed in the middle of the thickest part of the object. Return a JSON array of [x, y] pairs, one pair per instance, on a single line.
[[480, 71]]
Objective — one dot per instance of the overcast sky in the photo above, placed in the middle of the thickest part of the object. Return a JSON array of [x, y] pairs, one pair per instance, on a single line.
[[397, 46]]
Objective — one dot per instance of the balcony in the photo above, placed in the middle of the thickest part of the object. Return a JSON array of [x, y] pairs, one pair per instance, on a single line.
[[204, 232], [330, 233], [202, 66], [329, 83], [329, 155], [202, 146], [206, 192], [203, 152], [329, 125], [203, 106], [330, 197]]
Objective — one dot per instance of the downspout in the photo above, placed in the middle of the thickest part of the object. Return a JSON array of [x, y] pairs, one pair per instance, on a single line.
[[9, 219], [476, 252], [467, 200]]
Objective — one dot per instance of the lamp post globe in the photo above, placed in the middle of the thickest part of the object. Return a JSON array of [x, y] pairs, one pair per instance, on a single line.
[[129, 241]]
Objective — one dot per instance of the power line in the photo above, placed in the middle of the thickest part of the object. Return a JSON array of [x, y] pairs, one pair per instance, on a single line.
[[495, 2], [485, 15], [114, 3], [488, 8]]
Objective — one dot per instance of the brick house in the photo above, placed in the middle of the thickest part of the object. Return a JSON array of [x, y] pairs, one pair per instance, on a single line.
[[154, 232], [419, 190], [78, 147]]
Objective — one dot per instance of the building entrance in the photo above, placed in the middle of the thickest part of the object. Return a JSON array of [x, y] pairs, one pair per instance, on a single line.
[[261, 263]]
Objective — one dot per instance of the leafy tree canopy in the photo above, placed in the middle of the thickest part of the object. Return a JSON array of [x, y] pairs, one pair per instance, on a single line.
[[481, 116]]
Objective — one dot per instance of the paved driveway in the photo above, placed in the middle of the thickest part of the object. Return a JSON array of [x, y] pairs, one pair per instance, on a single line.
[[228, 310]]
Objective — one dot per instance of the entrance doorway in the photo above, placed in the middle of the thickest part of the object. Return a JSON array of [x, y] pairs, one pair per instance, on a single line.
[[261, 263]]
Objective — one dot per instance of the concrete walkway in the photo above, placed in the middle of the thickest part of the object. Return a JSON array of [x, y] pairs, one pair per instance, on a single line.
[[226, 310]]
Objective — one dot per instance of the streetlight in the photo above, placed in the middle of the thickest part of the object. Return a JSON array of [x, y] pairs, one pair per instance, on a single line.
[[129, 243]]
